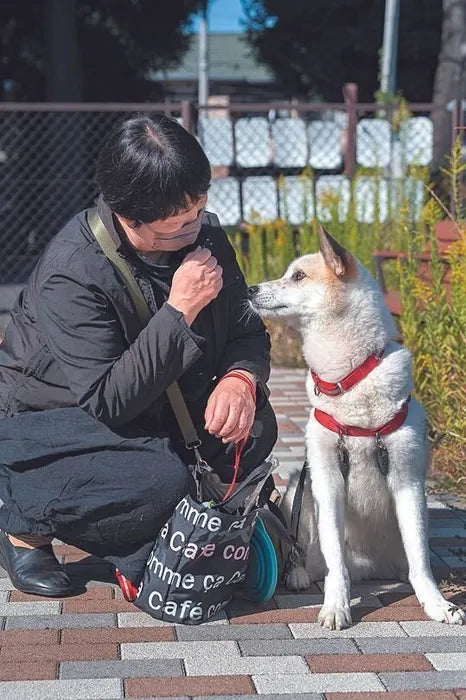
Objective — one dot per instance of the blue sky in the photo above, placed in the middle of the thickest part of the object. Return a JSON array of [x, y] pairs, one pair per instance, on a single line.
[[224, 16]]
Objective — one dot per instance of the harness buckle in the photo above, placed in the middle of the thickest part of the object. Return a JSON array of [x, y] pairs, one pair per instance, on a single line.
[[332, 392], [337, 391]]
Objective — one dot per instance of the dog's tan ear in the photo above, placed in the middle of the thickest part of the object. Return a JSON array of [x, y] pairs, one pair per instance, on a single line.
[[337, 258]]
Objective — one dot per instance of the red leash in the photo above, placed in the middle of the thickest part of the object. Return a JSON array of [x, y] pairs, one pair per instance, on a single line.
[[239, 446]]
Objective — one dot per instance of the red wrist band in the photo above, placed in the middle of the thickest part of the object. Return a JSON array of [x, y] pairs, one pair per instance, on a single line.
[[245, 379]]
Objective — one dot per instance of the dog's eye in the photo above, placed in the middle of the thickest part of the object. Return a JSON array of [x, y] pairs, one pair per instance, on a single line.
[[298, 275]]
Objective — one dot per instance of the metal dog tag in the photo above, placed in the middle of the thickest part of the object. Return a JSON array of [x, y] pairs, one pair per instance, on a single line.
[[381, 454], [343, 456]]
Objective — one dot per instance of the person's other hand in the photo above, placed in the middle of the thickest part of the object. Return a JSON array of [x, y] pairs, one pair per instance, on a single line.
[[230, 410], [197, 281]]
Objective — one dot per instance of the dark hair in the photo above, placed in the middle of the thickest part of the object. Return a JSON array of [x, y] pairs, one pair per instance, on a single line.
[[151, 168]]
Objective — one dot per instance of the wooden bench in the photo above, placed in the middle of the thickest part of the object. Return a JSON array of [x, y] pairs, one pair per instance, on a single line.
[[447, 233]]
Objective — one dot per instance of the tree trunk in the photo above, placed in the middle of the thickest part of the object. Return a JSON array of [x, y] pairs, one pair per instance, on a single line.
[[450, 77], [62, 52]]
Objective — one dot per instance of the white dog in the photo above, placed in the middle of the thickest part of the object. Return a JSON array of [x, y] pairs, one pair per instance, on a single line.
[[361, 492]]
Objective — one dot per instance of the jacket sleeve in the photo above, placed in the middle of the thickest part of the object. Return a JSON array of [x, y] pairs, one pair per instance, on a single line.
[[111, 381], [248, 343]]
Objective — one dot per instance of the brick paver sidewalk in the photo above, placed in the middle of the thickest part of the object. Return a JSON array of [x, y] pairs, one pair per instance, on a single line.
[[96, 645]]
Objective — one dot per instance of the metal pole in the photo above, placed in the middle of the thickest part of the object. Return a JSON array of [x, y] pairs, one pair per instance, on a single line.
[[390, 47], [350, 93], [203, 79]]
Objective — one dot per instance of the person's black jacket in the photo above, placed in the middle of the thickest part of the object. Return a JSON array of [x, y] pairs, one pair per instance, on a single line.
[[75, 338]]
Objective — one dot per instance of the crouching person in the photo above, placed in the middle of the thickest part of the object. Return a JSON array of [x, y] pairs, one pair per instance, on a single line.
[[90, 450]]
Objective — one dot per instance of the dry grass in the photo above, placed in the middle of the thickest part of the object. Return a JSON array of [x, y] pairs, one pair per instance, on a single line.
[[286, 346], [448, 471]]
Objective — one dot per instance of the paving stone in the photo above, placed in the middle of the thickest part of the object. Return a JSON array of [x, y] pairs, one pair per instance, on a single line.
[[406, 645], [121, 669], [395, 598], [179, 650], [447, 532], [449, 549], [392, 613], [298, 600], [6, 585], [45, 608], [140, 620], [317, 683], [12, 638], [440, 510], [432, 629], [91, 595], [76, 605], [274, 696], [403, 695], [233, 632], [197, 665], [88, 689], [420, 680], [59, 652], [288, 616], [117, 635], [455, 562], [360, 629], [298, 647], [28, 671], [448, 662], [59, 621], [376, 587], [170, 687], [144, 620], [447, 523], [364, 663]]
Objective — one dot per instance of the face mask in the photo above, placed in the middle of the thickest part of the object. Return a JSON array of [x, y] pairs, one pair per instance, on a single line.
[[185, 236]]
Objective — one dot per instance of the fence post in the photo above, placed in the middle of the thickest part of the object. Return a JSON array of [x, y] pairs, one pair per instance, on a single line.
[[457, 126], [187, 115], [350, 94]]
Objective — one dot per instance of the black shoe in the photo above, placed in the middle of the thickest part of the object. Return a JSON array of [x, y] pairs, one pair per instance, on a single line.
[[34, 570]]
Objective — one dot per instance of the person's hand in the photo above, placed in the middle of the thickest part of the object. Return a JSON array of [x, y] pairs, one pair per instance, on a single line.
[[197, 281], [230, 410]]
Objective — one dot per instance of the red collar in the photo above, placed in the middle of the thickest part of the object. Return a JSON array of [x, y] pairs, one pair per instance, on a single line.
[[353, 430], [337, 388]]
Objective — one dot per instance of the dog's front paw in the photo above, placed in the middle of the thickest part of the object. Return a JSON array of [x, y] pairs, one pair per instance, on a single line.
[[297, 579], [444, 611], [334, 618]]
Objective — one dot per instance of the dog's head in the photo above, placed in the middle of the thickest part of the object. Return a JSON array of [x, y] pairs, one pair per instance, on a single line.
[[318, 287]]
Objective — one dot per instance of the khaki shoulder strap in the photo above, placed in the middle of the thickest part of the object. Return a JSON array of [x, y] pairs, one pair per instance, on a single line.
[[174, 394]]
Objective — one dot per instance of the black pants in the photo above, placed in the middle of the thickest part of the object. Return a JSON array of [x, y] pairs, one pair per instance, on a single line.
[[108, 492]]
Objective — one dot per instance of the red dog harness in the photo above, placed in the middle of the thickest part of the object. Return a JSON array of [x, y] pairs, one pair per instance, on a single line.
[[345, 384], [354, 431]]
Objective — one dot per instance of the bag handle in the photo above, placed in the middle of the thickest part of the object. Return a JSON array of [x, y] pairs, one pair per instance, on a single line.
[[252, 478], [178, 404]]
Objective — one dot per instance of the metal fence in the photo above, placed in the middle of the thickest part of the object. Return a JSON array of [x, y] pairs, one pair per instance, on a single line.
[[258, 153]]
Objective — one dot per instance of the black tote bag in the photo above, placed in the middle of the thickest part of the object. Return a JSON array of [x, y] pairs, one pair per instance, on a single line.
[[199, 557]]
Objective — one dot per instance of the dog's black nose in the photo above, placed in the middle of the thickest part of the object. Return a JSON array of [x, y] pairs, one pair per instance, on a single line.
[[253, 290]]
